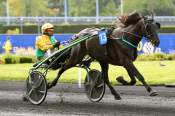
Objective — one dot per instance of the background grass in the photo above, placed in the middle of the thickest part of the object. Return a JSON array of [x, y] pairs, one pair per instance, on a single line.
[[153, 71]]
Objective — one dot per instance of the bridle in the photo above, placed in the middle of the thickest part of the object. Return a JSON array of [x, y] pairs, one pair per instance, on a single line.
[[146, 23], [146, 35]]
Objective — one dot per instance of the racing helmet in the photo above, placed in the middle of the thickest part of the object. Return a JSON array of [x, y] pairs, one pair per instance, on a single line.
[[46, 26]]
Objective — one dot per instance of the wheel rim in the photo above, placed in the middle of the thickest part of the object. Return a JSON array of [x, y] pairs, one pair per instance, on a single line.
[[36, 87], [94, 86]]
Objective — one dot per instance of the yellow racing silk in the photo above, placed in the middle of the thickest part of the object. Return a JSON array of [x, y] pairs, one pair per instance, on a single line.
[[44, 43]]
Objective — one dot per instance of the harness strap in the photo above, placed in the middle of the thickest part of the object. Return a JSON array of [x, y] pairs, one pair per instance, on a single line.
[[132, 34], [126, 42], [129, 43]]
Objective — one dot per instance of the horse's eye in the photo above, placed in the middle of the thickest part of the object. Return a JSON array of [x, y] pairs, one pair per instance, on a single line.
[[148, 27]]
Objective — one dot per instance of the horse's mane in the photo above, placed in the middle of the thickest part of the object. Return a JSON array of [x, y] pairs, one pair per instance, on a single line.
[[133, 18]]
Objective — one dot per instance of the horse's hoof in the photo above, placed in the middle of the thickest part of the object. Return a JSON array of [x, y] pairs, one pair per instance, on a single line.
[[120, 79], [117, 98], [24, 98], [153, 93], [49, 85]]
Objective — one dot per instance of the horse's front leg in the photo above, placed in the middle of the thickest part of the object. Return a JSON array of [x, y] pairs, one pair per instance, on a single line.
[[124, 82], [134, 72], [106, 79]]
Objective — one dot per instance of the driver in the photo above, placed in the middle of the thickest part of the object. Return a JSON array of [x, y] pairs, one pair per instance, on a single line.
[[46, 43]]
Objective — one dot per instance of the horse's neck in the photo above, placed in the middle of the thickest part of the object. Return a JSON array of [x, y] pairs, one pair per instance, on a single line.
[[130, 33]]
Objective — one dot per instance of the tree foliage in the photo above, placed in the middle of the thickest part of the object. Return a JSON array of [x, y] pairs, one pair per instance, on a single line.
[[108, 8], [16, 9], [84, 7], [2, 7], [159, 7]]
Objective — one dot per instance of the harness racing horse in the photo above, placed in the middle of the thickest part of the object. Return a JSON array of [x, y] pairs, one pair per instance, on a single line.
[[121, 50]]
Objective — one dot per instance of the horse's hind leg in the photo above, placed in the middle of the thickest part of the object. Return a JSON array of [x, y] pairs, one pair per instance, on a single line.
[[106, 79], [130, 66], [74, 59], [132, 77], [64, 68]]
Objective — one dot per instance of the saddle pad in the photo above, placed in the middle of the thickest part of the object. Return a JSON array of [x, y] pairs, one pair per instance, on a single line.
[[102, 37]]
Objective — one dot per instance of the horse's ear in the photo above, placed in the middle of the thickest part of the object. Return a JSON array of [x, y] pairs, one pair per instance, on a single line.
[[144, 17], [147, 19], [158, 25]]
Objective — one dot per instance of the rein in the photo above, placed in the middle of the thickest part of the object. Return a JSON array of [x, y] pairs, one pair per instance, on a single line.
[[126, 41], [132, 34]]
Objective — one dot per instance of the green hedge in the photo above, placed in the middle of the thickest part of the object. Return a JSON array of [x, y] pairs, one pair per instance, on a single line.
[[31, 29], [13, 59], [166, 29], [154, 57]]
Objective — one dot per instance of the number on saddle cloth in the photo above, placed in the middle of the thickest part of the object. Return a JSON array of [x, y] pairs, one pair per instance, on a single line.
[[102, 37]]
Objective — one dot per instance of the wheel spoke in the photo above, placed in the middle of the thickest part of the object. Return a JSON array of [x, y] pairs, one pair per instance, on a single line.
[[30, 81], [87, 83], [36, 97], [40, 91], [100, 85], [93, 84], [98, 75], [90, 92], [94, 94], [39, 81], [30, 92]]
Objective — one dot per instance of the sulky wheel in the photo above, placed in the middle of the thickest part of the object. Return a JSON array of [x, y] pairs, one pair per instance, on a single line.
[[36, 86], [94, 85]]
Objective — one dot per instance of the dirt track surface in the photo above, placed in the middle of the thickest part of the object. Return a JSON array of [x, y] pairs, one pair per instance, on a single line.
[[69, 100]]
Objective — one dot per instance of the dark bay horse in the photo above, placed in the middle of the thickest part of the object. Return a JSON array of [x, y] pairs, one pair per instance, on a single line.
[[121, 50]]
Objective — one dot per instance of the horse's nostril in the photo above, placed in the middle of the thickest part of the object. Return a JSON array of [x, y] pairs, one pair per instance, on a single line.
[[157, 42]]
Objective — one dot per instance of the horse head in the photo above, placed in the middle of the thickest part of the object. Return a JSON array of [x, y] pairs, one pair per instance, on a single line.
[[138, 26], [150, 30]]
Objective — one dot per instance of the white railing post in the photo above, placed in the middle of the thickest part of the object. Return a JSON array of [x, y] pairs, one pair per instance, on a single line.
[[121, 5], [21, 25], [65, 11], [7, 13], [97, 11]]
